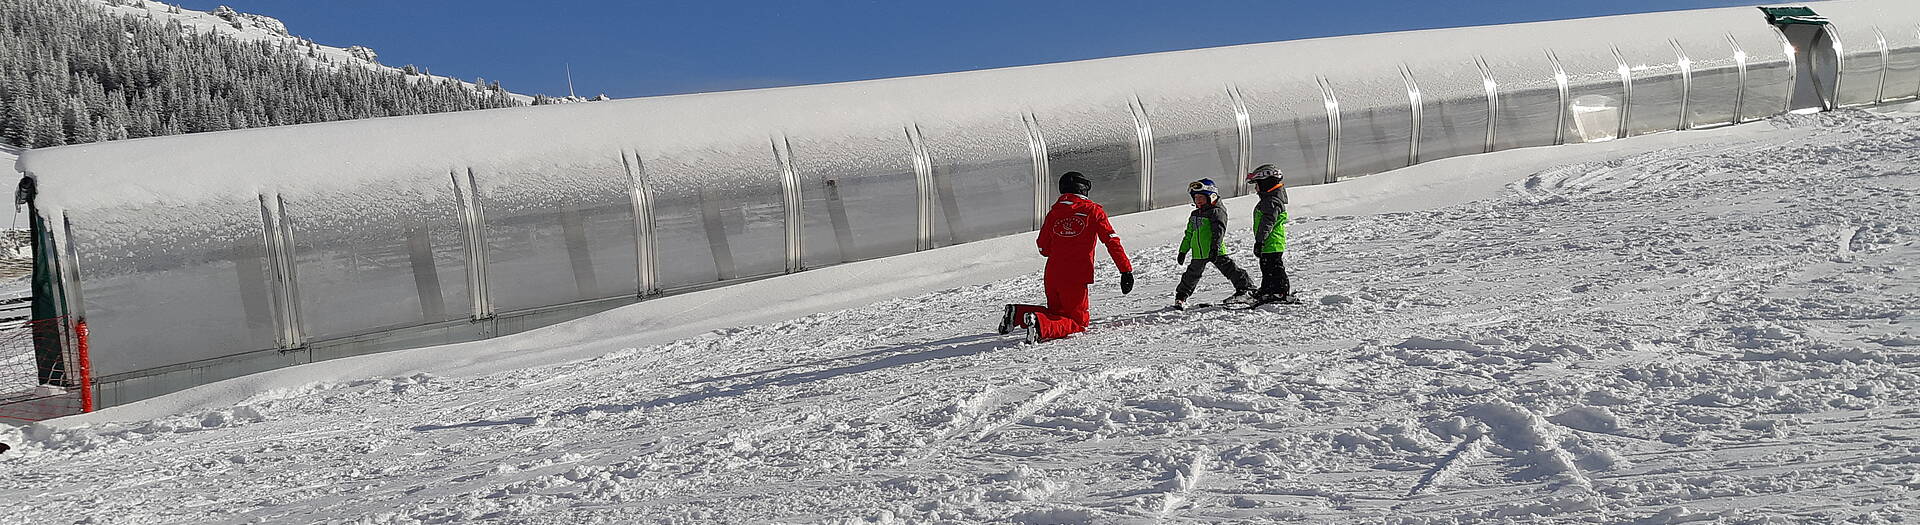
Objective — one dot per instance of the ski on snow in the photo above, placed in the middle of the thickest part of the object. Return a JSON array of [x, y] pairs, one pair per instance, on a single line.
[[1256, 304], [1233, 306]]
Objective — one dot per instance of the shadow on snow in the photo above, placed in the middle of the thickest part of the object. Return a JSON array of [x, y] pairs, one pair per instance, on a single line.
[[797, 374]]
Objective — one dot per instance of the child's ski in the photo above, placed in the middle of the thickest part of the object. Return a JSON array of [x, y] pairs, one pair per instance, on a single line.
[[1256, 304]]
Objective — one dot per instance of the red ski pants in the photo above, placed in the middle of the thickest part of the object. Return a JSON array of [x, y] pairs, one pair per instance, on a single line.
[[1065, 313]]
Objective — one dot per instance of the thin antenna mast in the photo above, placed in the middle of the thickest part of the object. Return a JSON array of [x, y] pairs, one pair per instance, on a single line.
[[569, 80]]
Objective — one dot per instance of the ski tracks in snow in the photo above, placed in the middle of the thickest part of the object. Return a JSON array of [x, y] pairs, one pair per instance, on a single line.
[[1031, 406]]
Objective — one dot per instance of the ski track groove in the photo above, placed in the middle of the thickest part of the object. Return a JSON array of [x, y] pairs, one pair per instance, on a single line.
[[1033, 406], [1187, 482], [1461, 457]]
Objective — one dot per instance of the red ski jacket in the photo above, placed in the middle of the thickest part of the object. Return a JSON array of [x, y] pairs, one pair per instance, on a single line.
[[1068, 235]]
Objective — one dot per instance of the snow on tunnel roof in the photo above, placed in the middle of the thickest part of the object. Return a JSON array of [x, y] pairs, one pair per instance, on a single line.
[[291, 159]]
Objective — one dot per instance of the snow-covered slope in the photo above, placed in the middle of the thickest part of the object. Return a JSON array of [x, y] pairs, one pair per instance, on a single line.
[[253, 27], [1708, 326]]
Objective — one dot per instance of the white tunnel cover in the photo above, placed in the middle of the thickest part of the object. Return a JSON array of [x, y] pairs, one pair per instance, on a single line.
[[398, 227]]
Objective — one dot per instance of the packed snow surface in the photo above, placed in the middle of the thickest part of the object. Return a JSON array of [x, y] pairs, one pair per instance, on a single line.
[[1692, 327]]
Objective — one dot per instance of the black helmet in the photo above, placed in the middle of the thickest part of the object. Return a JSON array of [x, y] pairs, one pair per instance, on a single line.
[[1074, 182], [1264, 171]]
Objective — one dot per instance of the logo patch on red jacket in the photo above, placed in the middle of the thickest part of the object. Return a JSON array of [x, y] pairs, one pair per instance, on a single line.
[[1070, 226]]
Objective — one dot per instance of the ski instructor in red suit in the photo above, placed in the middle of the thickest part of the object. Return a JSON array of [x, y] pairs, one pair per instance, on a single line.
[[1067, 240]]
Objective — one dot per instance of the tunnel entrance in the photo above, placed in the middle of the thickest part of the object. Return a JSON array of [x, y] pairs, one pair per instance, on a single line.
[[1816, 59]]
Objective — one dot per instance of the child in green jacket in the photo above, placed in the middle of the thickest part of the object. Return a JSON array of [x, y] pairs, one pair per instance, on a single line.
[[1270, 233], [1206, 240]]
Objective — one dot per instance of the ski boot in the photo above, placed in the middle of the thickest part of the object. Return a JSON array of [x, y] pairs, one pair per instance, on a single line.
[[1032, 321], [1006, 320]]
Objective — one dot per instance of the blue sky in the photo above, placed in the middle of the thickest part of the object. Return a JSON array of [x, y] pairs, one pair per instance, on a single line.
[[630, 49]]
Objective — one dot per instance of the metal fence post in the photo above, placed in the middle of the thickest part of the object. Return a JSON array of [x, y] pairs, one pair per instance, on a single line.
[[1686, 84], [1332, 102], [1037, 147], [1143, 137], [1416, 103], [1740, 93], [640, 197], [923, 183], [1626, 86], [467, 193], [1560, 80], [1492, 88], [1243, 125]]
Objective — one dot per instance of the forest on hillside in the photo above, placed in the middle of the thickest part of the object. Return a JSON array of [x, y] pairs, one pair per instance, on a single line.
[[71, 72]]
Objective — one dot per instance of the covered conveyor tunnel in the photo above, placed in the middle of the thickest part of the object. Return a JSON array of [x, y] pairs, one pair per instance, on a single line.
[[196, 258]]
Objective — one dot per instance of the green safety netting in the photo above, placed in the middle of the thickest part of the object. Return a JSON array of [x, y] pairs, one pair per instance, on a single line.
[[1793, 15]]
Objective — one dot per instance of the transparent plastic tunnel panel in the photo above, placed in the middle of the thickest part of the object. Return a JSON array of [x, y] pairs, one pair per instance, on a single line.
[[1657, 86], [1860, 64], [399, 258], [1099, 141], [1453, 104], [1528, 102], [983, 177], [1903, 61], [1289, 127], [1195, 137], [1596, 99], [558, 231], [200, 281], [1376, 122], [1770, 73], [1716, 81], [859, 195], [718, 213]]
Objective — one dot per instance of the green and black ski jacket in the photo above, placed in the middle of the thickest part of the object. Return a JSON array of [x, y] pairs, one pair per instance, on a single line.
[[1206, 233], [1270, 216]]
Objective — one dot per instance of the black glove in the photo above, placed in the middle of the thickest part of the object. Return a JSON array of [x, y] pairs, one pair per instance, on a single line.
[[1181, 260], [1126, 283]]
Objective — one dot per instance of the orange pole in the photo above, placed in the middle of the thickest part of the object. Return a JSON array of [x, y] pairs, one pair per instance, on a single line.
[[86, 368]]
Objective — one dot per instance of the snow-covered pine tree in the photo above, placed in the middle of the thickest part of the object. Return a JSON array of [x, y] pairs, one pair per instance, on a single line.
[[71, 72]]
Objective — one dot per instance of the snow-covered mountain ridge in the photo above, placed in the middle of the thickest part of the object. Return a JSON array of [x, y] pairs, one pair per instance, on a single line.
[[228, 22], [84, 71]]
